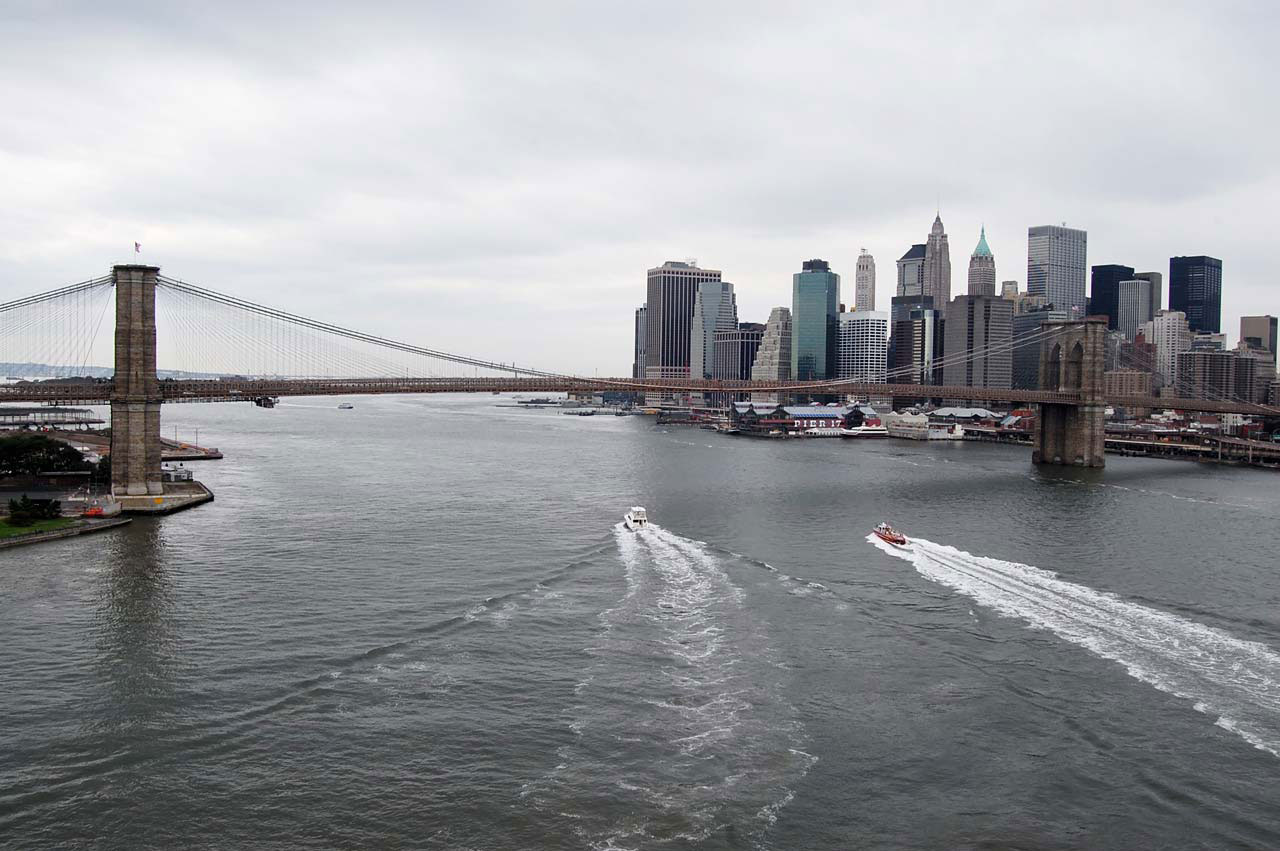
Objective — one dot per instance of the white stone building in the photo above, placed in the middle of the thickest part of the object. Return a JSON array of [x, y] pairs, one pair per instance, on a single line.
[[773, 359], [864, 282], [862, 346], [1171, 336]]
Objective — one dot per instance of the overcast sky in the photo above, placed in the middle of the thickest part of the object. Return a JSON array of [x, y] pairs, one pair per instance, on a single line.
[[495, 179]]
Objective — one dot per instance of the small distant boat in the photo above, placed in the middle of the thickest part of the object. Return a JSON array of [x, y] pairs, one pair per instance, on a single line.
[[635, 519], [345, 406], [890, 535]]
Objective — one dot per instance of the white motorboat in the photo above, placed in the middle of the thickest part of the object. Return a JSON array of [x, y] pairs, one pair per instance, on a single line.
[[865, 431], [635, 519], [345, 406]]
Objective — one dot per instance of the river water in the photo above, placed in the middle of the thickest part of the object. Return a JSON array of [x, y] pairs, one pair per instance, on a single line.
[[417, 624]]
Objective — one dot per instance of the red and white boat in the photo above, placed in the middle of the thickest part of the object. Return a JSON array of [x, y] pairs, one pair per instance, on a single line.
[[890, 535]]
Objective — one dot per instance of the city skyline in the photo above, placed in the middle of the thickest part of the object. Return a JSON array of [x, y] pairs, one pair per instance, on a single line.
[[455, 176]]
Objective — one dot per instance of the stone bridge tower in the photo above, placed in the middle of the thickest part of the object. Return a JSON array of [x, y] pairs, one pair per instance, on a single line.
[[135, 397], [1072, 361]]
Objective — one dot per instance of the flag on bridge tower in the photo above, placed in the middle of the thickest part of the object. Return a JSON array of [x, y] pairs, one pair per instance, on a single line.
[[137, 247]]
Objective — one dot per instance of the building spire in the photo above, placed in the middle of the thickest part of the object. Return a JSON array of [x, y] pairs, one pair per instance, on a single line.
[[983, 250]]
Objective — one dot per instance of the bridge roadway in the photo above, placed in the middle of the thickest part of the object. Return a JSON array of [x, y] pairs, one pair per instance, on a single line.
[[99, 392]]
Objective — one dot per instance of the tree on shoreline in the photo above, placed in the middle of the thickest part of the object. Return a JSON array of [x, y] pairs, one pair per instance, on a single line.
[[27, 454]]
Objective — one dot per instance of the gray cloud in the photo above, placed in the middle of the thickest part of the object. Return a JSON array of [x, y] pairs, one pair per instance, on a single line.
[[418, 170]]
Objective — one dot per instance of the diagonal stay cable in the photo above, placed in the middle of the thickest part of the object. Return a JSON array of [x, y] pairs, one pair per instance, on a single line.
[[351, 334], [61, 292]]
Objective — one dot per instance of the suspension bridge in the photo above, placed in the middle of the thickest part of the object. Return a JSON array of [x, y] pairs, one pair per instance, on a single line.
[[219, 348]]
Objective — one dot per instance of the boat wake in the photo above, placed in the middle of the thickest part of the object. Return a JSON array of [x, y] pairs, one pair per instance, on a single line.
[[680, 727], [1235, 680]]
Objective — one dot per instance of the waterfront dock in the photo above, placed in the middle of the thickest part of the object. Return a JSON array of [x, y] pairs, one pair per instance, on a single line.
[[82, 526], [171, 450]]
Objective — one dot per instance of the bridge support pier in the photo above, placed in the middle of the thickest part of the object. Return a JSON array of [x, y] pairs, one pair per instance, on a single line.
[[135, 398], [1070, 435], [1072, 361]]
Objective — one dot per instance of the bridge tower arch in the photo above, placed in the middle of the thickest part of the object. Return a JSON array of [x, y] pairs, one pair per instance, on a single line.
[[135, 395], [1072, 359]]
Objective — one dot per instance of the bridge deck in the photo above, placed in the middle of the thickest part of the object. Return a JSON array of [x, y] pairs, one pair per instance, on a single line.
[[99, 392]]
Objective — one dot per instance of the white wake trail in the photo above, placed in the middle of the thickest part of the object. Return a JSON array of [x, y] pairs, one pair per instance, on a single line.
[[680, 720], [1235, 680]]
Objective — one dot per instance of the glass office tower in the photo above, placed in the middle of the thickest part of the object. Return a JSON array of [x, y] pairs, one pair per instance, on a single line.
[[815, 304]]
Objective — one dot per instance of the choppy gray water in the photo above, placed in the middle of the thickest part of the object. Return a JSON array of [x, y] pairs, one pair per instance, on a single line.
[[418, 624]]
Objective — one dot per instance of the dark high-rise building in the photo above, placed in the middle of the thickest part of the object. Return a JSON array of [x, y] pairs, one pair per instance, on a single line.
[[637, 365], [673, 288], [815, 304], [1195, 288], [915, 339], [735, 351], [979, 332], [1104, 294], [1157, 290], [1025, 358]]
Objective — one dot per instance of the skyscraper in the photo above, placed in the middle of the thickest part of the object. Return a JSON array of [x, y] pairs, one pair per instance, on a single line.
[[815, 302], [937, 266], [864, 282], [1009, 290], [1157, 291], [637, 365], [715, 308], [1104, 295], [1169, 332], [982, 268], [1056, 266], [911, 271], [862, 346], [1133, 305], [914, 339], [979, 332], [1195, 288], [672, 291], [736, 350], [773, 358], [1259, 332]]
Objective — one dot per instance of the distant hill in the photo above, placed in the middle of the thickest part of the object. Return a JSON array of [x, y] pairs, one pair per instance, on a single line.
[[44, 370]]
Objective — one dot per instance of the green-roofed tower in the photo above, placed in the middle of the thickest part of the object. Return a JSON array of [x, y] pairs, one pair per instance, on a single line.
[[982, 268], [982, 250]]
